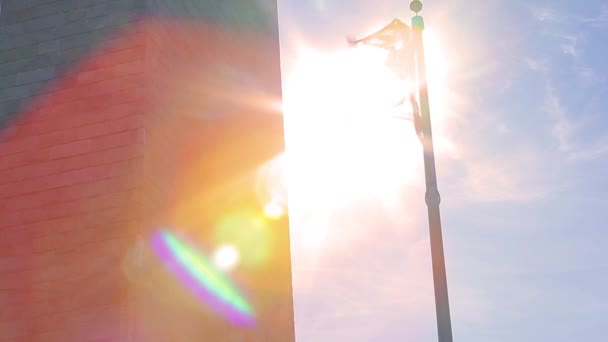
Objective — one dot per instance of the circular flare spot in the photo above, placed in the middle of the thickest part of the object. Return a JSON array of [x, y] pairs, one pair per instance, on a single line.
[[274, 210], [250, 233], [226, 257]]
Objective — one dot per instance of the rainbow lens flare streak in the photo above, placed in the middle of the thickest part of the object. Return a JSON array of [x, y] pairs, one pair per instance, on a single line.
[[199, 275]]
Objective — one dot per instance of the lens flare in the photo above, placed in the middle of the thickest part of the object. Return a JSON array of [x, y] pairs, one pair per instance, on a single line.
[[251, 233], [274, 210], [202, 278], [226, 257]]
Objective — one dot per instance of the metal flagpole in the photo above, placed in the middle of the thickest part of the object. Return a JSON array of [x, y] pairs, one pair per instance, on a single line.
[[432, 197], [388, 38]]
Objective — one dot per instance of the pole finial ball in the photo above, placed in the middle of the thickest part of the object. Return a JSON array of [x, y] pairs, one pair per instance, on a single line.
[[416, 6]]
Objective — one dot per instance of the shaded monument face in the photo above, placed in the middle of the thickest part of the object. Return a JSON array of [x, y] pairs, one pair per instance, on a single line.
[[217, 243], [145, 175]]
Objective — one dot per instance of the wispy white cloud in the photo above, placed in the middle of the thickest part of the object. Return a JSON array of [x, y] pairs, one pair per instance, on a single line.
[[544, 14], [537, 64], [570, 50], [564, 130], [570, 43], [588, 74], [598, 21], [562, 127], [596, 150]]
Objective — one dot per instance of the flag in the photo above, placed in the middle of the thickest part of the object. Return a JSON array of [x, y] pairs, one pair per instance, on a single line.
[[393, 36], [397, 38]]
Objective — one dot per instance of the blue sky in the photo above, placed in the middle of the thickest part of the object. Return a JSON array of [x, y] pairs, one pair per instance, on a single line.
[[522, 183]]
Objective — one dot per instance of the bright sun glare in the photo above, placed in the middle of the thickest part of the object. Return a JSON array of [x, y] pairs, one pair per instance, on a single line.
[[343, 142], [342, 138]]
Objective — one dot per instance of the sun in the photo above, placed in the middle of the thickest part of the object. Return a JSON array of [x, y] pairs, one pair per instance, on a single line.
[[341, 134], [344, 145]]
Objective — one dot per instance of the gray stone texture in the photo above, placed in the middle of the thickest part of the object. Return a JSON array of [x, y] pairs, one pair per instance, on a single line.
[[255, 15], [40, 39]]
